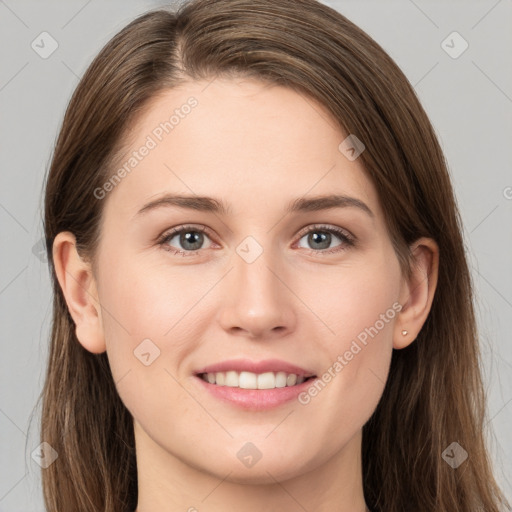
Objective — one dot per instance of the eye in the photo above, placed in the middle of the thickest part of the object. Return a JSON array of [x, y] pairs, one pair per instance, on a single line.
[[189, 238], [320, 238]]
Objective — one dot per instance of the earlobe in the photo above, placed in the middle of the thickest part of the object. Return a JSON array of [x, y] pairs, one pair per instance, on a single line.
[[78, 286], [417, 293]]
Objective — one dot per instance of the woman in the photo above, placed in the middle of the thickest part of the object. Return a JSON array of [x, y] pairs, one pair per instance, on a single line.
[[261, 295]]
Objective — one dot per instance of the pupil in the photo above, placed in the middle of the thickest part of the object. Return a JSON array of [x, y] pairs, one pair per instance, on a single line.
[[323, 238], [189, 236]]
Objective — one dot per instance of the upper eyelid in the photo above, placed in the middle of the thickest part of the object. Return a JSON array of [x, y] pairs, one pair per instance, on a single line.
[[324, 227]]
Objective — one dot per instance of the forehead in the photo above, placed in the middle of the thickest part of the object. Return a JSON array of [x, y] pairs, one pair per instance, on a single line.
[[254, 145]]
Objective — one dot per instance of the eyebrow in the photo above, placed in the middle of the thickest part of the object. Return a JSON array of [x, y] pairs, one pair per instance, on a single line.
[[300, 205]]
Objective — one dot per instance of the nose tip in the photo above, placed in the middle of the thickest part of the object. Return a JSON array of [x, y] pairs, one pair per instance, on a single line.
[[257, 303]]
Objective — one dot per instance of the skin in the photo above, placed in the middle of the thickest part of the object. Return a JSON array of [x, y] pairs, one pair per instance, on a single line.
[[256, 147]]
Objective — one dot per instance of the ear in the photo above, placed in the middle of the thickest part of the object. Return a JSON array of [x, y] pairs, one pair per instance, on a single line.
[[417, 293], [79, 288]]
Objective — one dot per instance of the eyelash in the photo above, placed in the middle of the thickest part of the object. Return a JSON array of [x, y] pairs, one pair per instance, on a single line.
[[347, 239]]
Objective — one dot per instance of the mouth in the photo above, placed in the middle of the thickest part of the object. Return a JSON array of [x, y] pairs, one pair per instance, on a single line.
[[254, 381], [254, 385]]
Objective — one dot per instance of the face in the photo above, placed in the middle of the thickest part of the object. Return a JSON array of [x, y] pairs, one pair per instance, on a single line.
[[317, 288]]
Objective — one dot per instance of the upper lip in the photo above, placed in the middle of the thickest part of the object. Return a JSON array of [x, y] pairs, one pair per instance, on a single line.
[[267, 365]]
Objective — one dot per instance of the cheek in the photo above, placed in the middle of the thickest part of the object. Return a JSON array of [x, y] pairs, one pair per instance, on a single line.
[[359, 307], [352, 300], [152, 315], [150, 301], [146, 324], [132, 309]]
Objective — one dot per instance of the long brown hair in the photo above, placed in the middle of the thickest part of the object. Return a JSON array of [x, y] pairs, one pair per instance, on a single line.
[[434, 394]]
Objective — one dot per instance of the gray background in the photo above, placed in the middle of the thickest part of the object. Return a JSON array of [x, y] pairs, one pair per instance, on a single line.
[[469, 100]]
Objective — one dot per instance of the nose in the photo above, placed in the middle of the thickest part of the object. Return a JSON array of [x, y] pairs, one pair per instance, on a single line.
[[256, 300]]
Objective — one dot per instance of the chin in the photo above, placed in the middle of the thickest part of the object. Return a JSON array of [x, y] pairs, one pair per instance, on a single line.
[[264, 471]]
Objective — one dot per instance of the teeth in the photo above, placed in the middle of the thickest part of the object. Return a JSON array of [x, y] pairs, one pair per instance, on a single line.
[[266, 380], [249, 380], [291, 380], [280, 380], [246, 380], [231, 380]]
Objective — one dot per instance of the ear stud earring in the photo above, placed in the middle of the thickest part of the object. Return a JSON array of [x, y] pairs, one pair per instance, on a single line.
[[404, 333]]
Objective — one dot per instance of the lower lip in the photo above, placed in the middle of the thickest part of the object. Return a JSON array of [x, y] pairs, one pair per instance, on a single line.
[[255, 399]]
